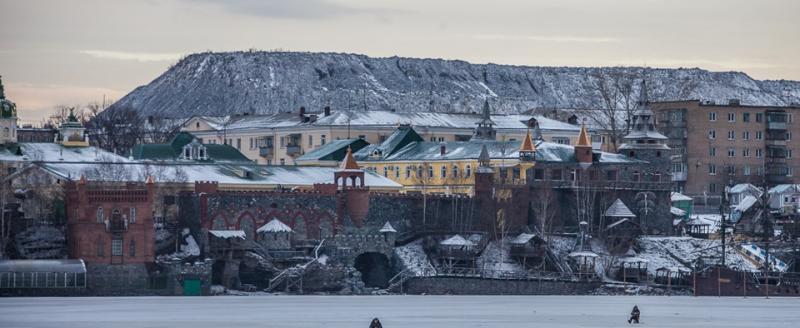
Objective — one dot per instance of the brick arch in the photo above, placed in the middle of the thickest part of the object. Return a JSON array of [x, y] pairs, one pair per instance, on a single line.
[[247, 222]]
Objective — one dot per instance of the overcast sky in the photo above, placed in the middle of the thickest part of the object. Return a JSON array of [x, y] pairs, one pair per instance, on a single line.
[[71, 52]]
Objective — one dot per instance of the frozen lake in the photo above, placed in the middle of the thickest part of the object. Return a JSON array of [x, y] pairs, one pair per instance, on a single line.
[[397, 311]]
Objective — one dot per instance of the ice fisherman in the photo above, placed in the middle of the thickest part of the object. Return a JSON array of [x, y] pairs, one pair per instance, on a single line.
[[634, 315], [375, 323]]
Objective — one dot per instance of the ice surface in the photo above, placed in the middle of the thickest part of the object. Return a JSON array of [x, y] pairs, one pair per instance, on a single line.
[[396, 311]]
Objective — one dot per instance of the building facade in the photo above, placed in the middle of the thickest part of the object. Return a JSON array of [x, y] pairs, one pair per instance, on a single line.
[[279, 139], [713, 146]]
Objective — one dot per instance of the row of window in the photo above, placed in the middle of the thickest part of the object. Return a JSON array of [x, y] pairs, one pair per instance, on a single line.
[[759, 117], [746, 170], [712, 134], [419, 171], [116, 247]]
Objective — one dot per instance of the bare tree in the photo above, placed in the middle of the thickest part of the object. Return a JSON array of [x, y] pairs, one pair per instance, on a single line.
[[117, 130], [585, 198], [618, 101], [159, 129], [5, 218], [545, 207]]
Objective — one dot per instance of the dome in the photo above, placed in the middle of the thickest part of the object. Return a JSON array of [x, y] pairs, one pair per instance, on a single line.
[[7, 108]]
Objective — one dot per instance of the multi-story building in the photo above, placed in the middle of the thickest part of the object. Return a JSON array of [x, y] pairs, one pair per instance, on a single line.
[[718, 145], [279, 139]]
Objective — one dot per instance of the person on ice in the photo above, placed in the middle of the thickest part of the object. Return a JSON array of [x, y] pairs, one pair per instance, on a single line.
[[634, 315], [375, 323]]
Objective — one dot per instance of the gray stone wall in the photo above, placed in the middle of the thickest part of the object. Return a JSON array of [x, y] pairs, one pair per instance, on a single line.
[[482, 286]]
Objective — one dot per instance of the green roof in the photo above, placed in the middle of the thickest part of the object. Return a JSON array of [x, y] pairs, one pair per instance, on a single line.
[[334, 150], [173, 149], [403, 136]]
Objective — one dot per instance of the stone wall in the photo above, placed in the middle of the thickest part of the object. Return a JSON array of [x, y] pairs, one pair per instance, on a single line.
[[483, 286]]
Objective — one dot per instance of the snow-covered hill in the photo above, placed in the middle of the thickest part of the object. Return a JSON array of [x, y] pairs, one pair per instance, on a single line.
[[268, 82]]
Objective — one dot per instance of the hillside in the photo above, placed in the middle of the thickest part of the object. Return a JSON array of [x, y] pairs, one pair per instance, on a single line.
[[267, 82]]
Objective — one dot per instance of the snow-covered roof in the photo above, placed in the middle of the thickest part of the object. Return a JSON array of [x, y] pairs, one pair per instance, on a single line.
[[523, 238], [382, 118], [230, 174], [742, 187], [746, 203], [58, 266], [226, 234], [619, 210], [53, 152], [456, 240], [387, 228], [275, 225], [673, 269], [676, 197], [677, 211], [583, 254], [634, 260], [785, 188]]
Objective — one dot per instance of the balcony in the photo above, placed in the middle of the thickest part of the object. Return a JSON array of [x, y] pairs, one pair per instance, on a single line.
[[293, 150], [679, 176], [116, 225], [776, 126], [266, 151]]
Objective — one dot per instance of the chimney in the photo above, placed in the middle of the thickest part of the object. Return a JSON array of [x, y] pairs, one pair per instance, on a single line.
[[327, 110], [442, 148], [302, 111], [734, 102]]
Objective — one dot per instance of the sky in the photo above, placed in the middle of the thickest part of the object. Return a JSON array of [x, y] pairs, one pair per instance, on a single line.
[[79, 51]]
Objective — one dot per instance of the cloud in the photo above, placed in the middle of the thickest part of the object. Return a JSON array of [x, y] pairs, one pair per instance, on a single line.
[[548, 38], [133, 56], [35, 102], [298, 9]]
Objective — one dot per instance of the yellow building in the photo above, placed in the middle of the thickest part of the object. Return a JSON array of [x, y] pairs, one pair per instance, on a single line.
[[280, 139]]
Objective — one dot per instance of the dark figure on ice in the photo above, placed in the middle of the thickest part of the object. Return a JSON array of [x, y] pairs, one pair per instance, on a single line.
[[375, 323], [634, 315]]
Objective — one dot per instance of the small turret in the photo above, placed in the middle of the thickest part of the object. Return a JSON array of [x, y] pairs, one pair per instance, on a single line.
[[8, 118], [583, 148], [485, 129]]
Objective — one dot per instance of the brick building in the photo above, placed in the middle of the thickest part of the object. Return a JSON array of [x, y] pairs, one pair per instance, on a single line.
[[716, 145], [110, 223]]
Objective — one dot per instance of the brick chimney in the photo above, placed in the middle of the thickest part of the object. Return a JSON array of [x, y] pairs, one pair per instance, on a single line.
[[302, 111], [327, 110]]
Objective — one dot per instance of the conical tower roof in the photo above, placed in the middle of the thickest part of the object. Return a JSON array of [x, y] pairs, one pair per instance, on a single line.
[[483, 158], [527, 144], [583, 137], [349, 163]]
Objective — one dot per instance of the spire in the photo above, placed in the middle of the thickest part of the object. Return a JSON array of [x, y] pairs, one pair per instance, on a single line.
[[527, 144], [642, 103], [483, 158], [349, 163], [583, 137], [486, 114]]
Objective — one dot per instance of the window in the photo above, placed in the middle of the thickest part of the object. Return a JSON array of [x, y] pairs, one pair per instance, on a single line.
[[759, 117], [116, 247], [712, 169], [443, 173], [731, 152], [731, 117], [746, 169], [468, 171], [455, 171], [419, 171], [100, 215], [441, 139], [745, 117], [746, 152], [731, 170], [636, 176], [252, 144], [132, 214], [788, 153], [311, 141], [746, 135], [712, 151], [561, 140], [408, 172], [386, 171], [760, 171], [283, 161], [132, 251], [759, 152], [430, 171], [197, 125], [790, 171], [322, 140], [788, 135], [239, 143], [283, 142], [611, 175], [362, 137], [397, 172], [538, 174], [712, 116], [555, 174], [712, 188], [712, 134], [101, 246], [731, 135], [759, 135], [789, 118]]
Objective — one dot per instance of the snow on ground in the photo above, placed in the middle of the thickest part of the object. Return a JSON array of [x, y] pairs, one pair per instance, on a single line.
[[496, 262], [189, 250], [711, 219], [688, 249], [561, 246], [397, 311], [414, 258]]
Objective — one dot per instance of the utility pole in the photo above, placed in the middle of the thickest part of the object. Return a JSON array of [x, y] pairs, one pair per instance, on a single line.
[[723, 226], [767, 226]]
